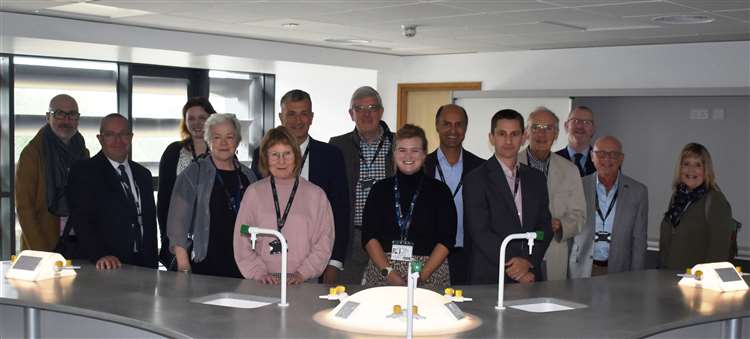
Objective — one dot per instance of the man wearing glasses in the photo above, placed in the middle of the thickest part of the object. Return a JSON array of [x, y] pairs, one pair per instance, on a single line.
[[42, 175], [368, 158], [566, 199], [580, 129], [613, 239]]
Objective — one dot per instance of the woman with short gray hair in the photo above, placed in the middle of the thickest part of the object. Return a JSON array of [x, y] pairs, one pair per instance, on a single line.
[[205, 202]]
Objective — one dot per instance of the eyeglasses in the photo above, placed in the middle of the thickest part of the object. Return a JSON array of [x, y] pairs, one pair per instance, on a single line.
[[543, 128], [584, 122], [367, 108], [122, 135], [608, 155], [276, 156], [59, 114]]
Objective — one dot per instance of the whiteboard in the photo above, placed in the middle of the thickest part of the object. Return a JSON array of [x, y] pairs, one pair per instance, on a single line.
[[481, 110]]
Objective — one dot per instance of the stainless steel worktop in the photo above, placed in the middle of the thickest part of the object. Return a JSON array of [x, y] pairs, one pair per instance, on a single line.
[[626, 305]]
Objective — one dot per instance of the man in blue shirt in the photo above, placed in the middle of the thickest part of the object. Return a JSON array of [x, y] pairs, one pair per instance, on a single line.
[[448, 164], [580, 128]]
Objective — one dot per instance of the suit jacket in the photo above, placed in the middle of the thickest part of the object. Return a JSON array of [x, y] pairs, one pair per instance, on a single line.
[[627, 250], [490, 215], [102, 214], [348, 144], [567, 203], [327, 171], [588, 168]]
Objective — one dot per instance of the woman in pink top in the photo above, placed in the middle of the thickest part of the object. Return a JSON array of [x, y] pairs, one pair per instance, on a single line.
[[286, 202]]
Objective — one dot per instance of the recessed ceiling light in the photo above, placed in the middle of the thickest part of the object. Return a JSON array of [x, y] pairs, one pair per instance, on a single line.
[[290, 25], [98, 10], [683, 19], [66, 63], [348, 41]]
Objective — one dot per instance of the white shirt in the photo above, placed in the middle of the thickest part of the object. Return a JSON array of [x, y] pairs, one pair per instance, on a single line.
[[305, 170], [133, 189]]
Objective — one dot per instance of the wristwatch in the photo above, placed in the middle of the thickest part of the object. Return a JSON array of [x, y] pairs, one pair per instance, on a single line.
[[386, 271]]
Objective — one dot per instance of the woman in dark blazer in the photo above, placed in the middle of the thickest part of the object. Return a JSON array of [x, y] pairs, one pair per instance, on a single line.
[[697, 227], [176, 158]]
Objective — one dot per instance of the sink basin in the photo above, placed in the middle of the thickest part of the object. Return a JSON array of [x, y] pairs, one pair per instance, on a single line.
[[235, 300], [543, 305]]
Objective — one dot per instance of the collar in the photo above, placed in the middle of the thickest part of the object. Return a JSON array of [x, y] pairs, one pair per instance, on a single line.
[[533, 158], [572, 152], [304, 145], [381, 133], [614, 187], [443, 160], [506, 170], [116, 164]]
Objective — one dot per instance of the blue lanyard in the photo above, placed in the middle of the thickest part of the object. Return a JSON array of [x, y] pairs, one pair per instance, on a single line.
[[404, 221]]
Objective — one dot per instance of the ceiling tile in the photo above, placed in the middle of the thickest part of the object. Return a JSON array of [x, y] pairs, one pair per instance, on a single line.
[[407, 14], [584, 3], [719, 25], [497, 6], [714, 5], [637, 9]]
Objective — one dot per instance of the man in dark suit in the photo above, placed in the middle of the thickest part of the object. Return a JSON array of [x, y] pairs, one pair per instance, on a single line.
[[112, 204], [504, 197], [580, 128], [368, 158], [450, 163], [323, 165]]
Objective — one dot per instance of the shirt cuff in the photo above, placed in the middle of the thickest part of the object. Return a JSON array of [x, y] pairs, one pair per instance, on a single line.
[[337, 264]]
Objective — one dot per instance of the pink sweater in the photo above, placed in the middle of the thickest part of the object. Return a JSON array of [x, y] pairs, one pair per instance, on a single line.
[[309, 229]]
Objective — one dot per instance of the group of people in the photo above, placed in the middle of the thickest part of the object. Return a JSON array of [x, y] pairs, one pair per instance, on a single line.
[[361, 207]]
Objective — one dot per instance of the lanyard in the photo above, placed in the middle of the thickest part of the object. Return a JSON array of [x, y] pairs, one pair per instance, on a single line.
[[233, 198], [304, 157], [377, 151], [609, 209], [442, 178], [125, 183], [404, 221], [281, 219], [515, 186]]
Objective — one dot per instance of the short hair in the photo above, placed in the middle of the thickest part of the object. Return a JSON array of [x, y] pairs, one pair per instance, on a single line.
[[365, 92], [581, 107], [463, 110], [546, 110], [109, 117], [696, 150], [507, 114], [274, 136], [193, 102], [409, 131], [220, 118], [295, 95], [57, 98]]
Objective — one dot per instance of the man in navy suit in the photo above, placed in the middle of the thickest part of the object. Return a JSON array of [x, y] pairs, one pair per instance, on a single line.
[[580, 128], [504, 197], [323, 165], [112, 202], [450, 163]]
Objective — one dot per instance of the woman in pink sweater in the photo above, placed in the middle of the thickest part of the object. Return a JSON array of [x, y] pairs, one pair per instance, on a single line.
[[286, 202]]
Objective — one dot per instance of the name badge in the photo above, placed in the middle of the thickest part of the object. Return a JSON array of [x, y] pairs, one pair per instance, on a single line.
[[367, 183], [401, 250]]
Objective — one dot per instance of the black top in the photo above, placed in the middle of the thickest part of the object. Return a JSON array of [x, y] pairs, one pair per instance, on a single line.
[[433, 222], [167, 178], [220, 253]]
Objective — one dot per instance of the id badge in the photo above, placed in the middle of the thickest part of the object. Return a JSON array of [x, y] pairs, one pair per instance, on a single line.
[[275, 247], [401, 250], [367, 183]]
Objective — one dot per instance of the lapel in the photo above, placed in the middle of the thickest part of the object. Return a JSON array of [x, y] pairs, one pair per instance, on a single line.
[[525, 198], [496, 177], [430, 164], [314, 159], [112, 180], [622, 194]]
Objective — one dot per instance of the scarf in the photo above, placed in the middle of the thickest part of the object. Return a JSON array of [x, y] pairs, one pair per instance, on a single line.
[[58, 157], [683, 197]]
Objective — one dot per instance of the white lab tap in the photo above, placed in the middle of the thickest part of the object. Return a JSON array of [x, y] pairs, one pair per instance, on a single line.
[[530, 236], [254, 231], [411, 286]]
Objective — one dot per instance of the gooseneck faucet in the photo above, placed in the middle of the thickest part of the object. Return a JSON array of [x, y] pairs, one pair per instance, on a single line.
[[530, 236], [253, 232]]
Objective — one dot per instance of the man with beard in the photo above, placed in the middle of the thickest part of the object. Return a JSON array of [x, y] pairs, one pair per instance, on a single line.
[[42, 175], [580, 128]]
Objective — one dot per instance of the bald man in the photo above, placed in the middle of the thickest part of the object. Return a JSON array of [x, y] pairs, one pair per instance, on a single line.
[[42, 175], [614, 236], [566, 200]]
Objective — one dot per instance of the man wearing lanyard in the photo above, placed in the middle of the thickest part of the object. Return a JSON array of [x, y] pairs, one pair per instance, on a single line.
[[368, 158], [614, 236], [580, 129], [449, 164], [112, 204], [504, 197], [323, 165], [566, 200]]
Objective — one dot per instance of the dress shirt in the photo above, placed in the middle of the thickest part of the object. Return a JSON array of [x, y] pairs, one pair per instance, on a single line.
[[133, 189], [305, 170], [585, 156], [601, 248], [510, 177], [453, 175]]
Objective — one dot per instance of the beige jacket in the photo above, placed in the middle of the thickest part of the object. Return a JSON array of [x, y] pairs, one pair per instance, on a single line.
[[567, 203]]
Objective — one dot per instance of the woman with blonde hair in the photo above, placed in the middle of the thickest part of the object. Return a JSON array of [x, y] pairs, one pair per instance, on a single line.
[[697, 227]]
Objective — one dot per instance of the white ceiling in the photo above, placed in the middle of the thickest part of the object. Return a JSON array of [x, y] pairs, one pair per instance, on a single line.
[[443, 26]]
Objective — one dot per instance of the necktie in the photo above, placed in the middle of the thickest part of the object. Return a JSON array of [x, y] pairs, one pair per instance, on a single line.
[[135, 227], [578, 157]]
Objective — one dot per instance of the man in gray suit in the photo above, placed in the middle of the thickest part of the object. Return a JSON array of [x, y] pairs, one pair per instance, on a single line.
[[614, 236]]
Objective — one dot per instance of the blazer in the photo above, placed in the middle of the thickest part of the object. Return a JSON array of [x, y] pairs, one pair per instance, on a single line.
[[588, 168], [348, 144], [567, 203], [627, 250], [102, 214], [327, 170], [490, 215]]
